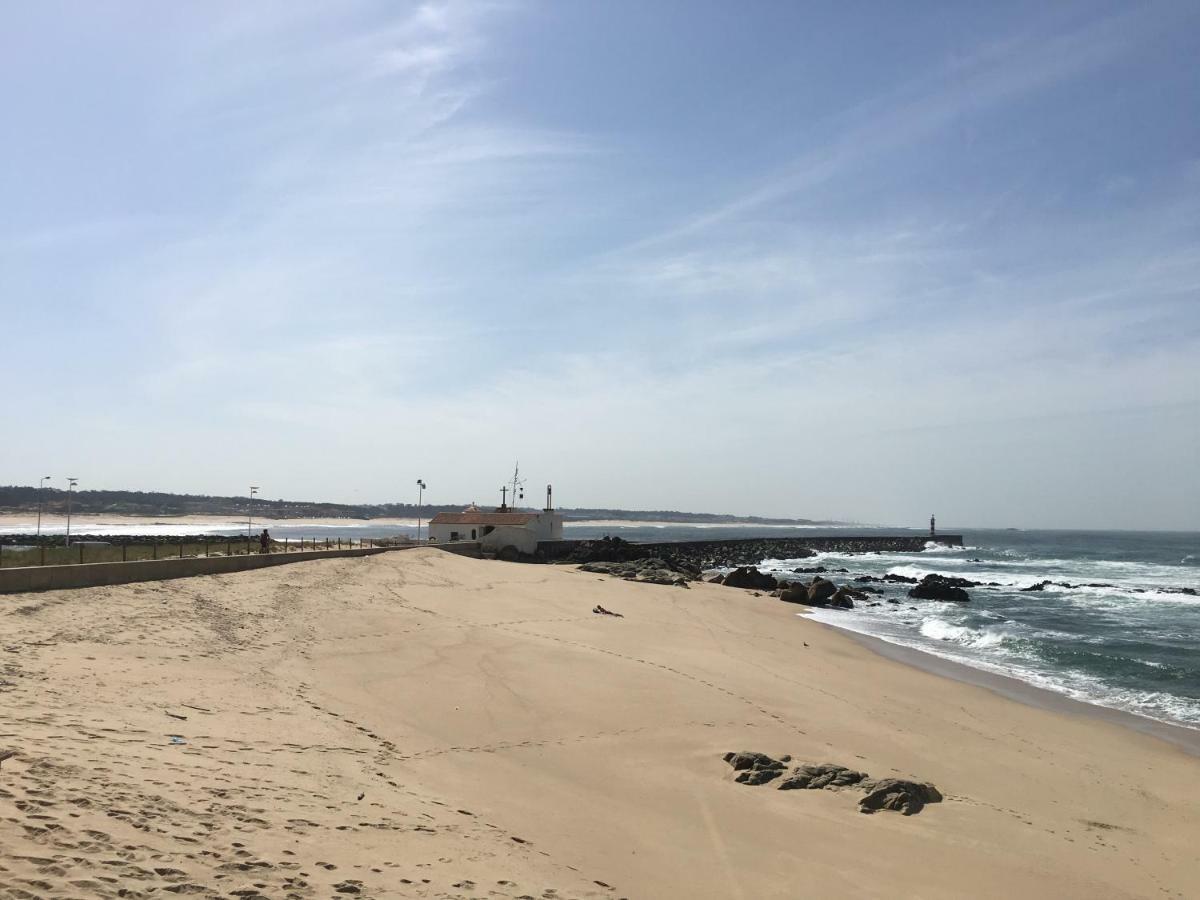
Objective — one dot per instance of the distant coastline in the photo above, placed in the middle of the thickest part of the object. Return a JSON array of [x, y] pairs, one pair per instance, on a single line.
[[23, 500]]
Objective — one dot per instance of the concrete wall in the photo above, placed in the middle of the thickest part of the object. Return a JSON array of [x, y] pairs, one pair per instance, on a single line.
[[48, 578], [461, 548], [523, 539]]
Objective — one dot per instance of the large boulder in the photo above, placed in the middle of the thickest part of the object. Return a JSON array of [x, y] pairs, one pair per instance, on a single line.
[[794, 592], [750, 577], [821, 591], [844, 597], [936, 587], [907, 797]]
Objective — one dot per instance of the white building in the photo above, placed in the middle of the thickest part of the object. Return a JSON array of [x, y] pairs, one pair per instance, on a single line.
[[499, 529]]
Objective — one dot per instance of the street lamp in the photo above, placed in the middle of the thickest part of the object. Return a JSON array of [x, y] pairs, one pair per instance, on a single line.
[[250, 511], [71, 482], [41, 492], [420, 493]]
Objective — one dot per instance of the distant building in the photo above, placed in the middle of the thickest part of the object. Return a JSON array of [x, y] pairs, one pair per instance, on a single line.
[[499, 529]]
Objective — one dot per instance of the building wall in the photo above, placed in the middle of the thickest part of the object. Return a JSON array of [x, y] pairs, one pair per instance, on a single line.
[[546, 527], [523, 538]]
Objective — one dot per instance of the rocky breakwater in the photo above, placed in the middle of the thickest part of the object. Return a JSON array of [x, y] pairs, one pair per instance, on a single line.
[[729, 554], [702, 556]]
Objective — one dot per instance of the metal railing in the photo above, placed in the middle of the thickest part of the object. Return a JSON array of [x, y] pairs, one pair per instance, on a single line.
[[82, 552]]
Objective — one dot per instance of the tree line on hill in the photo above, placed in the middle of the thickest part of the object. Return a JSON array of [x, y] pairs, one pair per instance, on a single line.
[[24, 499]]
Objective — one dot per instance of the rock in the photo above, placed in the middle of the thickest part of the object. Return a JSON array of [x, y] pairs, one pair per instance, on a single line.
[[810, 777], [936, 587], [899, 579], [794, 593], [844, 598], [954, 581], [750, 577], [716, 579], [749, 759], [907, 797], [1040, 586], [607, 550], [814, 570], [754, 768], [755, 777], [820, 591], [651, 570], [893, 601]]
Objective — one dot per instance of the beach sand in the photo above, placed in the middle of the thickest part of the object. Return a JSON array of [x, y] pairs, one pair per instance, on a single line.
[[417, 724]]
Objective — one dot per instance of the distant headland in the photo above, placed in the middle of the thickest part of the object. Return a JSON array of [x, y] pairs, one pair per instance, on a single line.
[[24, 499]]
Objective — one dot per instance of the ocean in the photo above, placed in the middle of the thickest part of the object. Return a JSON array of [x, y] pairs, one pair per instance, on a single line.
[[1122, 636]]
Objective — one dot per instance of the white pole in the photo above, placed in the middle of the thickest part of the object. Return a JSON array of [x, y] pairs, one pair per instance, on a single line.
[[250, 512], [41, 493], [70, 490], [420, 497]]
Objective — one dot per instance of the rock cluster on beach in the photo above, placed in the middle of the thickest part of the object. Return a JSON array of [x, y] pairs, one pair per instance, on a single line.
[[898, 794], [651, 570]]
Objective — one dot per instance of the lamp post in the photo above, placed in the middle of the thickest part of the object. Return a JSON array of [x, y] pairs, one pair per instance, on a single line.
[[41, 493], [71, 482], [420, 495], [250, 512]]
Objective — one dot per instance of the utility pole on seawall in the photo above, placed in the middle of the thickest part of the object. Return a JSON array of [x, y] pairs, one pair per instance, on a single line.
[[71, 482], [250, 512], [420, 496], [41, 493]]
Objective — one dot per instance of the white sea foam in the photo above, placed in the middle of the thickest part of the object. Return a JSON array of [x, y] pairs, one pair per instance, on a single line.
[[941, 630], [959, 646]]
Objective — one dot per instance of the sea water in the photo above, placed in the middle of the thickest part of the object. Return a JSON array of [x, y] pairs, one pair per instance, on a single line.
[[1131, 644]]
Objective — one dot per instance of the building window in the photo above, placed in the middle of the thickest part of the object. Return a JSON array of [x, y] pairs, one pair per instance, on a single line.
[[472, 534]]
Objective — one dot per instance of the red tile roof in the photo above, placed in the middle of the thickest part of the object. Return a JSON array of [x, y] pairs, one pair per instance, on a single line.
[[482, 518]]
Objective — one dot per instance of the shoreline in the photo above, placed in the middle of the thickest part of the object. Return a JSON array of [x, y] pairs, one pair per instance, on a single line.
[[423, 722], [1179, 735]]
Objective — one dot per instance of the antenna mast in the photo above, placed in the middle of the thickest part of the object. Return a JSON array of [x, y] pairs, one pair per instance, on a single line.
[[518, 485]]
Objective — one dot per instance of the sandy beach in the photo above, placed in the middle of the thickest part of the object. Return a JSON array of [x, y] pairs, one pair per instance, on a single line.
[[417, 724]]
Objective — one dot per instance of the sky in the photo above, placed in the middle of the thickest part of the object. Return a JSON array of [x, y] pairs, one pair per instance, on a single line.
[[860, 261]]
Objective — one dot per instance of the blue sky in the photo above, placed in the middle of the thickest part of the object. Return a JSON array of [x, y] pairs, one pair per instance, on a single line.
[[863, 261]]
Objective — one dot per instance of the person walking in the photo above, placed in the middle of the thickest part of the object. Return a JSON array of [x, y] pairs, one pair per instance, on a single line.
[[264, 542]]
